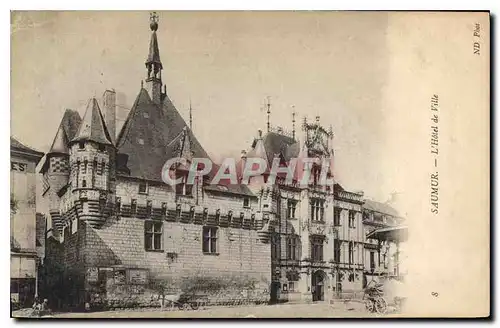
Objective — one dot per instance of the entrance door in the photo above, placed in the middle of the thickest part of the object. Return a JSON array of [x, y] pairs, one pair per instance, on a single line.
[[275, 289], [318, 286]]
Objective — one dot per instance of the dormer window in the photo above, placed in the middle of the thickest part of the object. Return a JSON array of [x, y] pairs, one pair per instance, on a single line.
[[81, 145], [84, 183], [246, 202], [143, 188], [183, 188], [102, 148]]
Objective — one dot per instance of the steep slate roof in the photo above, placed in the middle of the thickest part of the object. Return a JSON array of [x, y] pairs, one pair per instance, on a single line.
[[17, 145], [380, 207], [292, 151], [67, 130], [93, 128], [275, 143], [148, 137]]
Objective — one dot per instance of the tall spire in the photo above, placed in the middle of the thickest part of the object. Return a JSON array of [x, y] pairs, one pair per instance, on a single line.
[[293, 122], [153, 63], [268, 105]]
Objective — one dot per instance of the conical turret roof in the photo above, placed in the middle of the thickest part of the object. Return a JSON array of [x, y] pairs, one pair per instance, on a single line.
[[67, 130], [93, 128]]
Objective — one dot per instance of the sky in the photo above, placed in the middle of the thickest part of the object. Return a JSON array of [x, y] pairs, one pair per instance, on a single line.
[[331, 64]]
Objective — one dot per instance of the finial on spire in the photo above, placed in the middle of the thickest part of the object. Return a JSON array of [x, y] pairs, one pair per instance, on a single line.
[[317, 119], [293, 122], [142, 84], [268, 105], [153, 17]]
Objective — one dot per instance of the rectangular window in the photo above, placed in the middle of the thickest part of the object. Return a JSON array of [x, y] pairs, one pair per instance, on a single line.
[[291, 286], [292, 248], [81, 145], [372, 261], [246, 202], [210, 240], [143, 188], [317, 248], [351, 252], [85, 163], [336, 216], [163, 209], [153, 231], [352, 219], [336, 250], [149, 207], [317, 210], [291, 207]]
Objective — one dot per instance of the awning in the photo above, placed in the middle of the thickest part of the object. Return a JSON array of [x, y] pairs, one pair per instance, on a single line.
[[393, 234]]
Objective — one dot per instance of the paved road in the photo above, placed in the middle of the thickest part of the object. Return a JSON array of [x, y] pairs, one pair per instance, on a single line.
[[261, 311]]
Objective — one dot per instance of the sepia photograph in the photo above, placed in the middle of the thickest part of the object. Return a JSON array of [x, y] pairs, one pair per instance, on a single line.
[[249, 164]]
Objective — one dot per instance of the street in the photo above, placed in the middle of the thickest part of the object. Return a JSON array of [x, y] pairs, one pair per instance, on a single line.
[[319, 310]]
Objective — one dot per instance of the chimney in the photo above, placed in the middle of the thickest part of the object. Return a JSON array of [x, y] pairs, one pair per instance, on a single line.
[[109, 100]]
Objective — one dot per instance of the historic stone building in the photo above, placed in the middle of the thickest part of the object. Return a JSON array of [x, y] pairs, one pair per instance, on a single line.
[[380, 257], [117, 228], [24, 261], [316, 229]]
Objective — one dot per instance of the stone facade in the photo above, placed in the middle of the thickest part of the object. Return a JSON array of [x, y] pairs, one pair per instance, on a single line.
[[23, 223], [118, 231], [380, 257]]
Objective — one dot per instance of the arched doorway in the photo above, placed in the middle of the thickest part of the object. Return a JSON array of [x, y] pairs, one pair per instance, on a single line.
[[318, 282]]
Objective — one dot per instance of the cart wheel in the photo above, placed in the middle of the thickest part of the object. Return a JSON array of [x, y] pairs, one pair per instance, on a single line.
[[195, 305], [185, 306], [370, 307], [381, 305]]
